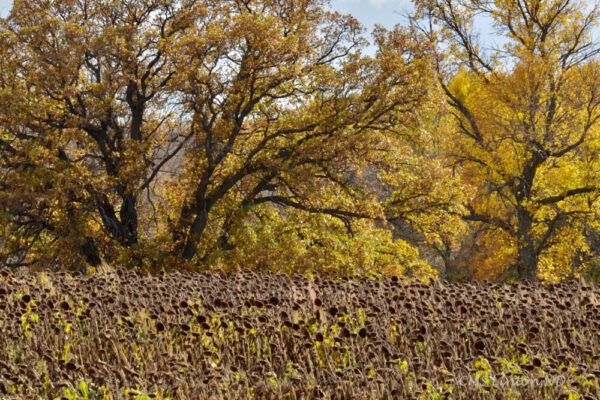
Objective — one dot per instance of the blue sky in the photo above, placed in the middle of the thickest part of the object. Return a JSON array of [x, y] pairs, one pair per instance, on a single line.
[[5, 6], [369, 12]]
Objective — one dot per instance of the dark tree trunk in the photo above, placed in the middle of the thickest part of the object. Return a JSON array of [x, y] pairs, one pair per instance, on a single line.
[[129, 220], [90, 251], [528, 257], [198, 214], [528, 263], [122, 228], [196, 230]]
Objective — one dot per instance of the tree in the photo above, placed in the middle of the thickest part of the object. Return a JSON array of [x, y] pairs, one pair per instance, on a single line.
[[524, 127], [85, 128], [163, 132]]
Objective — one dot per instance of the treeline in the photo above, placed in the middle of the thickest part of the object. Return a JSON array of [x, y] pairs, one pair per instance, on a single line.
[[192, 134]]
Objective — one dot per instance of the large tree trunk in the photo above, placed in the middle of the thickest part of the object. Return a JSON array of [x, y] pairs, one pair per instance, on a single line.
[[196, 230], [528, 258], [90, 251], [528, 262], [125, 227], [129, 220], [200, 207]]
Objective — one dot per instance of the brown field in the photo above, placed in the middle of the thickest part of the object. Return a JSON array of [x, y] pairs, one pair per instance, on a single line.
[[247, 335]]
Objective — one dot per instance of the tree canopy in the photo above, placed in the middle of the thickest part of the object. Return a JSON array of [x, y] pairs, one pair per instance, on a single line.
[[194, 132], [524, 128], [268, 134]]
